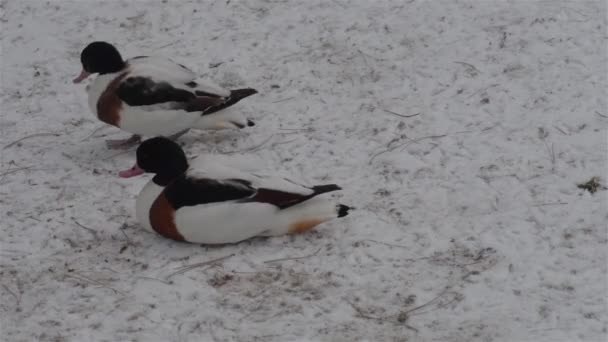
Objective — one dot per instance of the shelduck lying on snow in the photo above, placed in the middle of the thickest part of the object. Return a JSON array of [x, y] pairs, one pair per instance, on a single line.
[[220, 204], [152, 96]]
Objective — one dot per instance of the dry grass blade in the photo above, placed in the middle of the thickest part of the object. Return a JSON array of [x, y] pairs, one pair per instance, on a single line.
[[81, 277], [28, 137], [441, 294], [294, 258], [187, 268], [411, 141]]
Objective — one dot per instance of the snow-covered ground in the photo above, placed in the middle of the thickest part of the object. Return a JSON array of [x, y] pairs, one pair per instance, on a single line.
[[458, 129]]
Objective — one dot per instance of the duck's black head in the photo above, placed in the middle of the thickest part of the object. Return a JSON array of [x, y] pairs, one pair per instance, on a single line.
[[163, 157], [99, 57]]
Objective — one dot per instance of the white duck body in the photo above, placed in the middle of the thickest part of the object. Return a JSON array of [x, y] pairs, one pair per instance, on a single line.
[[215, 165], [236, 220], [163, 118], [230, 222]]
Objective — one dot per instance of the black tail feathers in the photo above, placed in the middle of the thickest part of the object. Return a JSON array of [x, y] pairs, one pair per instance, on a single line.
[[321, 189], [234, 97], [239, 94], [343, 210]]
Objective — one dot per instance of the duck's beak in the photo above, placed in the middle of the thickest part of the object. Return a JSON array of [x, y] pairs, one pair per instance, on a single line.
[[132, 172], [84, 74]]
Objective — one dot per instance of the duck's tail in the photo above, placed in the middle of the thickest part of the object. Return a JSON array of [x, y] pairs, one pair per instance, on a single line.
[[212, 118], [234, 97], [343, 210], [307, 215]]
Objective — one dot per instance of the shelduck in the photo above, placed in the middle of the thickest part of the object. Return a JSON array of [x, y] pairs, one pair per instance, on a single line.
[[216, 204], [152, 96]]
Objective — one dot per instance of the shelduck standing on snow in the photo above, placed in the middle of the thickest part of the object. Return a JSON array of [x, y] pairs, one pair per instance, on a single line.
[[152, 96], [216, 204]]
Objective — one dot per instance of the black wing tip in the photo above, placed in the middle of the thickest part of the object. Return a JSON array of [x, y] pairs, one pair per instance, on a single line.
[[320, 189], [242, 93], [250, 123], [343, 210]]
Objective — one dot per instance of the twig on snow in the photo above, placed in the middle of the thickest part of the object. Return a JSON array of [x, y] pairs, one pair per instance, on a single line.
[[551, 152], [469, 65], [167, 45], [296, 130], [482, 89], [411, 141], [362, 314], [283, 142], [30, 136], [10, 171], [386, 244], [427, 303], [561, 130], [90, 230], [160, 280], [285, 99], [94, 131], [294, 258], [364, 58], [126, 236], [400, 115], [550, 203], [187, 268], [17, 298], [600, 114]]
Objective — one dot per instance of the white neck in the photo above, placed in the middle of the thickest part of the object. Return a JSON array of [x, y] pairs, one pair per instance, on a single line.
[[97, 87], [146, 197]]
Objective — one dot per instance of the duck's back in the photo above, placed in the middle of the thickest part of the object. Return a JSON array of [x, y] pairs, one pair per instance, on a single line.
[[162, 69]]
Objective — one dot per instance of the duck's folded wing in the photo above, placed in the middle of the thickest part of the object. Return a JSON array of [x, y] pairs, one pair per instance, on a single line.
[[144, 91], [188, 191], [282, 199], [175, 73], [256, 175]]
